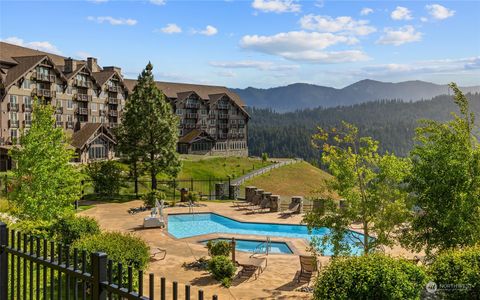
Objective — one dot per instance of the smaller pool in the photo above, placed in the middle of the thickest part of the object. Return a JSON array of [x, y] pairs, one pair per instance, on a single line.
[[251, 245]]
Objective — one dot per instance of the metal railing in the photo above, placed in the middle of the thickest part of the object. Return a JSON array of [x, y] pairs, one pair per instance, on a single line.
[[35, 268]]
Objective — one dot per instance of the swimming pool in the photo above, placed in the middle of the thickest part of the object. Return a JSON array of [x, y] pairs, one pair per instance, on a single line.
[[189, 225], [251, 245]]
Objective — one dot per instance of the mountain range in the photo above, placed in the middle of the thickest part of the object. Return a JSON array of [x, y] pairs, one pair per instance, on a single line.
[[302, 95]]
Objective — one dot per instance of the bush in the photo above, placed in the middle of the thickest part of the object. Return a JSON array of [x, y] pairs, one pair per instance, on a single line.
[[40, 228], [222, 269], [457, 273], [193, 197], [217, 248], [106, 176], [71, 228], [374, 276], [149, 198]]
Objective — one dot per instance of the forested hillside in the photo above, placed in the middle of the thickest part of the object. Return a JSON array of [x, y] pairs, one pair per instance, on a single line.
[[393, 123]]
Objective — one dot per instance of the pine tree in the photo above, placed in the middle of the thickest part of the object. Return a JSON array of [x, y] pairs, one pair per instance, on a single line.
[[158, 128], [46, 184]]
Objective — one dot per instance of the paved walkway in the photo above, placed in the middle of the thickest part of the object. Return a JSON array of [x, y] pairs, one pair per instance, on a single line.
[[254, 173]]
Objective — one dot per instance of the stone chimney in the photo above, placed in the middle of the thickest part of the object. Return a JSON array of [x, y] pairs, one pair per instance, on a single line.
[[70, 65], [92, 64], [113, 68]]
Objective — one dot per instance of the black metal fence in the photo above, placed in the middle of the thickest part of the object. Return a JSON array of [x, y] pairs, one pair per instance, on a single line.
[[34, 268]]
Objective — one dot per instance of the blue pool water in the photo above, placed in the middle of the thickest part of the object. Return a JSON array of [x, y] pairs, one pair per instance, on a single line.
[[251, 245], [188, 225]]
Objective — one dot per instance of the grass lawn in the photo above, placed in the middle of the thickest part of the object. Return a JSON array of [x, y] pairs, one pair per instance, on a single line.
[[300, 179]]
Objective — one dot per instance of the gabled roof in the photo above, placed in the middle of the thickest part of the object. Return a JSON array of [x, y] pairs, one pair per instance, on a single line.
[[184, 95], [103, 76], [215, 97], [81, 66], [88, 133], [195, 135], [9, 51]]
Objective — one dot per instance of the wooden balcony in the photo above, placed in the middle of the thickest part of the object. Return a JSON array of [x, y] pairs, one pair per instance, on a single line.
[[113, 113], [12, 106], [83, 83], [190, 126], [59, 110], [191, 115], [26, 108], [43, 93], [43, 77], [192, 105], [82, 111], [13, 124], [223, 126], [113, 89], [113, 100], [83, 97], [223, 116], [223, 106], [59, 123], [222, 136], [27, 123]]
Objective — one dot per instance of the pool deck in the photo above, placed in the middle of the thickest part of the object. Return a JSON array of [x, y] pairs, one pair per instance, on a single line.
[[278, 281]]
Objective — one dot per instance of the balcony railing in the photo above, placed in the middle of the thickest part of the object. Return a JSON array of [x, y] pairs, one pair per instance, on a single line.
[[241, 135], [59, 110], [113, 89], [13, 123], [113, 100], [102, 112], [211, 116], [43, 77], [191, 115], [27, 123], [69, 125], [222, 135], [43, 93], [223, 116], [59, 123], [113, 125], [190, 126], [223, 126], [223, 106], [12, 106], [113, 113], [82, 111], [26, 107], [83, 83], [192, 105], [83, 97]]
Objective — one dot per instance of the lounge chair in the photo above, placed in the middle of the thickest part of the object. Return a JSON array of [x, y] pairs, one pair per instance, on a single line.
[[308, 266], [263, 205], [241, 203], [153, 222], [251, 266], [158, 251], [292, 209]]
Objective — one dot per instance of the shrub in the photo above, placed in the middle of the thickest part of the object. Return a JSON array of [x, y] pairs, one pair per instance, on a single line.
[[40, 228], [222, 269], [193, 197], [71, 228], [217, 248], [106, 176], [374, 276], [149, 198], [457, 273]]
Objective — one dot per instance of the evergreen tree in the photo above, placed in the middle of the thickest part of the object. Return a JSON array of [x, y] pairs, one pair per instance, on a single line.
[[445, 182], [46, 184], [158, 128]]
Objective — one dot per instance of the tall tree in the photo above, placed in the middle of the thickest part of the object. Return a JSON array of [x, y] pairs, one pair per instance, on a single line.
[[129, 136], [46, 184], [369, 182], [159, 128], [445, 182]]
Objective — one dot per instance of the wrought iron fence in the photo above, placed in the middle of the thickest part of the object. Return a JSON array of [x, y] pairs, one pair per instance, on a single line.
[[35, 268]]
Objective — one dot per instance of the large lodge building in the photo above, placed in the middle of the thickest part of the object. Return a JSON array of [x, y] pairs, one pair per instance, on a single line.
[[88, 101]]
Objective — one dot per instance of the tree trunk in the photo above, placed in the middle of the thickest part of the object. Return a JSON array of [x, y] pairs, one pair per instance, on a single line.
[[366, 241], [135, 177], [153, 172]]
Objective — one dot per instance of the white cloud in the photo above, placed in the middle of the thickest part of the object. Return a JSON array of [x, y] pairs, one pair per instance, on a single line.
[[158, 2], [253, 64], [403, 35], [41, 46], [276, 6], [112, 21], [82, 55], [424, 19], [439, 12], [343, 24], [208, 31], [226, 73], [304, 46], [171, 28], [366, 11], [401, 13]]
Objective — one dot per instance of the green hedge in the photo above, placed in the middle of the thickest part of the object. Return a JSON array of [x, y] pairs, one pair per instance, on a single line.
[[71, 228], [217, 248], [374, 276], [456, 273]]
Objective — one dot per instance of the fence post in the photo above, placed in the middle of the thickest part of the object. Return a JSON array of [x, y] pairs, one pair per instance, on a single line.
[[99, 275], [6, 185], [191, 184], [209, 188], [83, 189], [3, 262]]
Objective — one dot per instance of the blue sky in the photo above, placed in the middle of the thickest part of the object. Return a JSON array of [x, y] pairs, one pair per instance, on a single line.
[[260, 43]]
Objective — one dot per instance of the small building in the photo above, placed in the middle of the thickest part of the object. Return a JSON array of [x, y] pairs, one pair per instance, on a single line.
[[93, 142]]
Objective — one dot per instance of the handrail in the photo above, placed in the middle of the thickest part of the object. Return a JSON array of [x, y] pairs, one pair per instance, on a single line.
[[266, 245]]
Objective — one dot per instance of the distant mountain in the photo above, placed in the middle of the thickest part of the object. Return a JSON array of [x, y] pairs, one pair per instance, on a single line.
[[301, 95]]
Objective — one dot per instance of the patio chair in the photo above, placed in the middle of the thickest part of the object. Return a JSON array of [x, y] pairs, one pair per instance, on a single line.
[[158, 251], [265, 204], [251, 266], [308, 266], [292, 209]]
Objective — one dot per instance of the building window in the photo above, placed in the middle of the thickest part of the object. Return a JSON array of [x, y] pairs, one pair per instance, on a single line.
[[94, 119], [26, 84], [13, 134], [13, 99], [94, 106], [27, 100], [179, 111], [212, 121], [13, 116], [203, 112], [59, 118], [59, 88], [59, 103], [69, 118], [69, 90], [98, 149], [69, 104]]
